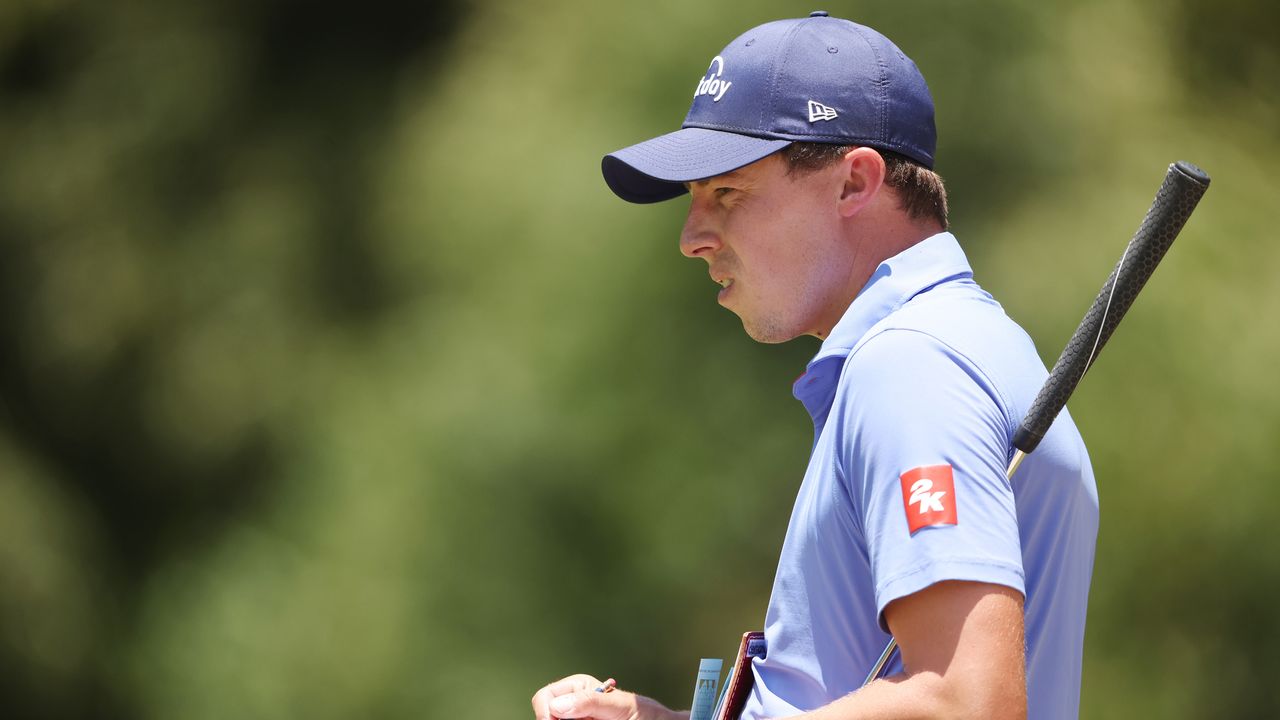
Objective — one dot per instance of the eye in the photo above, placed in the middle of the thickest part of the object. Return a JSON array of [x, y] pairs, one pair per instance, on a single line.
[[722, 191]]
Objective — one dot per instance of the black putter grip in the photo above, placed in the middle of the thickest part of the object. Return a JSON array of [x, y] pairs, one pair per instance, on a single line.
[[1182, 188]]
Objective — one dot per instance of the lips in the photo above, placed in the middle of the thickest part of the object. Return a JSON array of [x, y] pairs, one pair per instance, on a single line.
[[720, 276], [726, 287]]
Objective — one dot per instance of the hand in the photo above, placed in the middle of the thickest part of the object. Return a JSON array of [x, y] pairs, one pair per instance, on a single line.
[[576, 697]]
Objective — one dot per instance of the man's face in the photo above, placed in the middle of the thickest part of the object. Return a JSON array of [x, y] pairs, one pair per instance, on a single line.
[[772, 241]]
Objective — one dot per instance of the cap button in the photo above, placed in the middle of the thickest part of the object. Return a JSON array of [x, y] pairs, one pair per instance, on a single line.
[[819, 13]]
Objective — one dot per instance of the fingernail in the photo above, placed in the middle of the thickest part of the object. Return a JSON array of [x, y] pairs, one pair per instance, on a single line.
[[562, 705]]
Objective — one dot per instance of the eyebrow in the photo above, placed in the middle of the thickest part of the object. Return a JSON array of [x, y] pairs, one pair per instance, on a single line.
[[731, 175]]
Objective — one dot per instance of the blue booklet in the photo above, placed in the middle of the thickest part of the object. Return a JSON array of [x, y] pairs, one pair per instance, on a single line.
[[704, 690]]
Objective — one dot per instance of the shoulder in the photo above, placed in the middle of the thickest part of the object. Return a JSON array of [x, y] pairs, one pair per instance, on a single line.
[[962, 315], [904, 389], [952, 333], [904, 363]]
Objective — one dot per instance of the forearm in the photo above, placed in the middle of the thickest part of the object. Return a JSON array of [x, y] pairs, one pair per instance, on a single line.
[[889, 699], [926, 695], [647, 708], [962, 644]]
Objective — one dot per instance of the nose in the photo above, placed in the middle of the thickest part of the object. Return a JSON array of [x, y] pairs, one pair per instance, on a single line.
[[699, 237]]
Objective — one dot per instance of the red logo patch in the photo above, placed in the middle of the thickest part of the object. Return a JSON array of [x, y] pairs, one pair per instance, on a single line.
[[929, 497]]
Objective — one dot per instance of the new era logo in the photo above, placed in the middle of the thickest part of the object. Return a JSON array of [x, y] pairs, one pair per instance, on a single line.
[[818, 111], [929, 496]]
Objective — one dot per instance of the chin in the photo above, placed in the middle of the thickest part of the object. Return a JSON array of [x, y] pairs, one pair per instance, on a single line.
[[768, 333]]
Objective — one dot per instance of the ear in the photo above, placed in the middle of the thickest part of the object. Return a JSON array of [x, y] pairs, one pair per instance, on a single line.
[[863, 171]]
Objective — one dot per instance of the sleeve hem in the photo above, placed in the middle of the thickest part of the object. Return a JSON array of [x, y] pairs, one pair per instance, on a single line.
[[913, 581]]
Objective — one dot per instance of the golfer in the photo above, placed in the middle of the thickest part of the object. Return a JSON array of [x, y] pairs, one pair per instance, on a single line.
[[807, 155]]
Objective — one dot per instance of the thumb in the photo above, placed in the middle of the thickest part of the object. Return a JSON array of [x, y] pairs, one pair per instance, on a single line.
[[615, 705]]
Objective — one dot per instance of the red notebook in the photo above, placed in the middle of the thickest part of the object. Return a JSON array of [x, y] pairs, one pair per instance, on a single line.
[[737, 686]]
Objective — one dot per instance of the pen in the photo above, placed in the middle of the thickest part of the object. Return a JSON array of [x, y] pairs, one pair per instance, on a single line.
[[608, 685]]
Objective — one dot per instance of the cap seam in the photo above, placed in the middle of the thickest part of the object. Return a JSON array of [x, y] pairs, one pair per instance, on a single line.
[[881, 86], [778, 64]]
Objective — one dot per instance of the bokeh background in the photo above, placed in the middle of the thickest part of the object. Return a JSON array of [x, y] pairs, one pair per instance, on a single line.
[[334, 383]]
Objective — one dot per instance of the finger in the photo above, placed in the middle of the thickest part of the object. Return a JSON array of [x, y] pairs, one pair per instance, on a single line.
[[587, 703], [542, 699]]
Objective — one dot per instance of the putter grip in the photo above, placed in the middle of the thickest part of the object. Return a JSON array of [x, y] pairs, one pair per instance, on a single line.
[[1182, 188]]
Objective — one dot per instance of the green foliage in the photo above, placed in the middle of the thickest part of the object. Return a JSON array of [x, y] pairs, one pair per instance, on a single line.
[[334, 382]]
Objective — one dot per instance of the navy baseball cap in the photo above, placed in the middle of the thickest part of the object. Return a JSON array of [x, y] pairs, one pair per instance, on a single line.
[[815, 79]]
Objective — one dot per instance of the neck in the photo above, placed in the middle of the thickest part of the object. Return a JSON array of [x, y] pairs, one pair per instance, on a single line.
[[869, 251]]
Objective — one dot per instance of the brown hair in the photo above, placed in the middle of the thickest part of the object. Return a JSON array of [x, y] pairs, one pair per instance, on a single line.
[[920, 190]]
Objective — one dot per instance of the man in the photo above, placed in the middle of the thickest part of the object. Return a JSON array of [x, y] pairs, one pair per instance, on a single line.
[[808, 155]]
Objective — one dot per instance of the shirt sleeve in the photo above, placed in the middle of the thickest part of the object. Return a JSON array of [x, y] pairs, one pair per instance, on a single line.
[[913, 414]]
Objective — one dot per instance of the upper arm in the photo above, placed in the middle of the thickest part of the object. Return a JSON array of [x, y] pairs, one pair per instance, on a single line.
[[962, 643], [915, 408]]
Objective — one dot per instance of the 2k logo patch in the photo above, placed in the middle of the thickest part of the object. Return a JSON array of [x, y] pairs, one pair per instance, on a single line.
[[929, 496]]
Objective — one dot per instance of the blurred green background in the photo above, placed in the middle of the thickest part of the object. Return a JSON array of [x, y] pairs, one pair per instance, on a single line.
[[334, 382]]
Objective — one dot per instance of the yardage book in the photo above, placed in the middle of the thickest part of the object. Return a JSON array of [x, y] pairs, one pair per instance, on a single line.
[[704, 690], [737, 684]]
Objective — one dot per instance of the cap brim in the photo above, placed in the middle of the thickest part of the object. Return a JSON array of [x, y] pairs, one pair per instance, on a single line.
[[656, 170]]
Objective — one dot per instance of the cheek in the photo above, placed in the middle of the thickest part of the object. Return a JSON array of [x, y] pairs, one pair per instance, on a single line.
[[783, 247], [802, 245]]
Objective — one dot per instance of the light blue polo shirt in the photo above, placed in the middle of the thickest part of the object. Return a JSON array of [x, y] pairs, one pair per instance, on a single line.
[[915, 397]]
